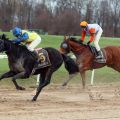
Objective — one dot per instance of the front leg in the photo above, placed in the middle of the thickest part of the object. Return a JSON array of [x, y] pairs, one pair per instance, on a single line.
[[21, 75], [44, 80], [7, 75], [70, 77]]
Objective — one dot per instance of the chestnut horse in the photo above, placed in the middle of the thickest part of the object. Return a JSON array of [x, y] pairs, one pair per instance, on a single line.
[[86, 59]]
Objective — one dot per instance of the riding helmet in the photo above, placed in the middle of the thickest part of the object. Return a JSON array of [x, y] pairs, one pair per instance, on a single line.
[[17, 31], [83, 24]]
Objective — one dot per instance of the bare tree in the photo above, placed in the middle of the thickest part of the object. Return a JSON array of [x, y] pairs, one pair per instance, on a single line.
[[60, 16], [115, 11], [24, 13], [7, 13], [42, 17]]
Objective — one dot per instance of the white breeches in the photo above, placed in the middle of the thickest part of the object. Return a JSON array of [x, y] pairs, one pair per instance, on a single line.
[[97, 38], [34, 44]]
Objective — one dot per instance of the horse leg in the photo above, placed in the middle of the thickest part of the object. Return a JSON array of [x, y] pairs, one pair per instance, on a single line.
[[19, 75], [22, 75], [70, 77], [45, 80], [83, 78], [7, 75]]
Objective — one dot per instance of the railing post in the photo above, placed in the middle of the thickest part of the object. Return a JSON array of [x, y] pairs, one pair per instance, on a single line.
[[92, 77]]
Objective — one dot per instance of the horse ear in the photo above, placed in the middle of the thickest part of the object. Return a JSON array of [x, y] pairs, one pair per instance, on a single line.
[[3, 37], [65, 37], [69, 36]]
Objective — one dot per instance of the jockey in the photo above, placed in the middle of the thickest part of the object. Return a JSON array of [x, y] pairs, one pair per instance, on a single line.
[[30, 39], [95, 32]]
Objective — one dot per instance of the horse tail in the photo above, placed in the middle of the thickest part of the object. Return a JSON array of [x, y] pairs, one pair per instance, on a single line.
[[70, 64]]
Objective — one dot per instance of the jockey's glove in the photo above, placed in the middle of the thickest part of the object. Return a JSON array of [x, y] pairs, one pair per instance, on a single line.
[[88, 43]]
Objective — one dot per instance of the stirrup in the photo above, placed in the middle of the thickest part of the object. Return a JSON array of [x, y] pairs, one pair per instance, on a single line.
[[101, 60], [99, 57]]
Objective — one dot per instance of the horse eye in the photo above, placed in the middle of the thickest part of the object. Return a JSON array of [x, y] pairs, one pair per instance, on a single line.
[[64, 46]]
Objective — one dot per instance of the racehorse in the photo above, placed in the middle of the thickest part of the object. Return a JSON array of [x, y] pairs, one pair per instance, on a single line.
[[21, 63], [86, 59]]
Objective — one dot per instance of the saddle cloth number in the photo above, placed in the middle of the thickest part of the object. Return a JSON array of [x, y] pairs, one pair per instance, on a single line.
[[42, 57]]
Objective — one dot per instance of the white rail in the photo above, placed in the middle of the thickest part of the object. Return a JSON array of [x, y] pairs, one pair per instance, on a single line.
[[3, 56], [92, 76]]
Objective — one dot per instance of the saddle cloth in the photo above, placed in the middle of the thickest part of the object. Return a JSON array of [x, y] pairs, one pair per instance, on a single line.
[[43, 58]]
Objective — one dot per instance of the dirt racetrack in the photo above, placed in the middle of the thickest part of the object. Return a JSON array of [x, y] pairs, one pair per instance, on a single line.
[[72, 103]]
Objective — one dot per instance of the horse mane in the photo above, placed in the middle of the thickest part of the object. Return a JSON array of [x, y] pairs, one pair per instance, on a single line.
[[73, 39]]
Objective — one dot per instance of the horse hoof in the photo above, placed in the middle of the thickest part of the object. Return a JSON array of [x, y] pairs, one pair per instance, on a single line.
[[33, 100], [65, 84], [20, 88]]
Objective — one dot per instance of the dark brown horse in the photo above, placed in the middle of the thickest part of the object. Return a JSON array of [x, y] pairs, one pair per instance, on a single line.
[[86, 59], [21, 63]]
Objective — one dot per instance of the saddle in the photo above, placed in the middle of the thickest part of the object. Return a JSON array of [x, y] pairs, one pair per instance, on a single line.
[[44, 60], [95, 53]]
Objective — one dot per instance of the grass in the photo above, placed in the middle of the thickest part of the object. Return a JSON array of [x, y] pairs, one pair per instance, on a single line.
[[102, 75]]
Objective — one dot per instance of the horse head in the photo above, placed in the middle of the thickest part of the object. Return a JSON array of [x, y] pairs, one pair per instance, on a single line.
[[4, 43], [71, 44], [65, 47]]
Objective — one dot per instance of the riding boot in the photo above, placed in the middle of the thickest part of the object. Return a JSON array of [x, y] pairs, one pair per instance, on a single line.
[[100, 55], [35, 54]]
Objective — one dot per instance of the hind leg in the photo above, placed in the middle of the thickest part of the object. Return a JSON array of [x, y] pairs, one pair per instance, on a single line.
[[82, 73], [7, 75], [44, 80], [70, 77]]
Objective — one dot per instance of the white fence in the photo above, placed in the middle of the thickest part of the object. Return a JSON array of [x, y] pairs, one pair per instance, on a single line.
[[3, 56], [92, 76]]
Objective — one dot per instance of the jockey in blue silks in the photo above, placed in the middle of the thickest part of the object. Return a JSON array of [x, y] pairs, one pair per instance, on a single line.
[[30, 39]]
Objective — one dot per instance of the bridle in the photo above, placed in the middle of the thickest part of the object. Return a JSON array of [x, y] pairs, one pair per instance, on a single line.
[[65, 45]]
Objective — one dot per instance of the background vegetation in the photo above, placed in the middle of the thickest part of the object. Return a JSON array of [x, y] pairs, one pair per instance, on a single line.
[[60, 17]]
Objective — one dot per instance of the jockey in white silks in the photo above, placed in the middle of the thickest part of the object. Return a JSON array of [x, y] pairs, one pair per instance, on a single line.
[[95, 32]]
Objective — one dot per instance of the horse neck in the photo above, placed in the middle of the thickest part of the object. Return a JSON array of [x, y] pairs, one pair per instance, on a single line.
[[76, 48], [11, 49]]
